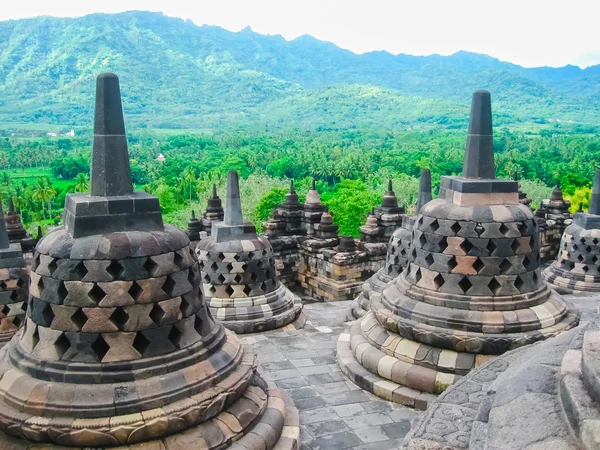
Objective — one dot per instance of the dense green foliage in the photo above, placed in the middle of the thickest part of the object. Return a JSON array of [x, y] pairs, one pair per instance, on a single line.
[[177, 75]]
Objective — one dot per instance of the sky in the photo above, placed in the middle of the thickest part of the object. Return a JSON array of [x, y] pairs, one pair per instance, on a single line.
[[530, 33]]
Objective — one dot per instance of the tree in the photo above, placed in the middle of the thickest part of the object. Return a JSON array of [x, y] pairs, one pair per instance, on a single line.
[[44, 192], [190, 177], [81, 183]]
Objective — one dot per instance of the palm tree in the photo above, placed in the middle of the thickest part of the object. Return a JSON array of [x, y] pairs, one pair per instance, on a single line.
[[81, 183], [190, 177], [44, 192], [5, 178]]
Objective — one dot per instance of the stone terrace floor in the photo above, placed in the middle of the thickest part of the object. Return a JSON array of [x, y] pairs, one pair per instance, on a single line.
[[336, 414]]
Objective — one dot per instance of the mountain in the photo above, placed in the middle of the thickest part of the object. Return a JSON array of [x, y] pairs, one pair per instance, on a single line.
[[175, 74]]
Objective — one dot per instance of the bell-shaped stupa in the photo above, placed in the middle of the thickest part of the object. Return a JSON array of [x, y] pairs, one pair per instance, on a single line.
[[577, 265], [473, 288], [397, 256], [119, 348], [239, 276], [14, 285]]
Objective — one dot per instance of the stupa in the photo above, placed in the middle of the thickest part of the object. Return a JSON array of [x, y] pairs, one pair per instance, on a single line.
[[389, 213], [398, 253], [555, 212], [14, 286], [16, 232], [473, 288], [577, 265], [119, 348], [238, 271]]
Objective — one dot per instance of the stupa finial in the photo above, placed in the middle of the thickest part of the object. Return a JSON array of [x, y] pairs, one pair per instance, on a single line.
[[292, 188], [11, 205], [110, 172], [595, 199], [314, 185], [390, 186], [424, 189], [214, 191], [479, 155], [233, 207], [193, 214], [4, 243]]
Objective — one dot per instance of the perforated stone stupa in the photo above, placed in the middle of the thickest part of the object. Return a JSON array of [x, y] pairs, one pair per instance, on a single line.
[[473, 288], [577, 265], [397, 256], [119, 348], [238, 272], [14, 286], [16, 232]]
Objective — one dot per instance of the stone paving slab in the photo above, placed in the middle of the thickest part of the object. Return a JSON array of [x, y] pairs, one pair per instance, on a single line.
[[335, 414]]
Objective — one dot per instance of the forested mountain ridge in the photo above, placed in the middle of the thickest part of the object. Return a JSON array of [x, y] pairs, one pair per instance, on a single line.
[[175, 74]]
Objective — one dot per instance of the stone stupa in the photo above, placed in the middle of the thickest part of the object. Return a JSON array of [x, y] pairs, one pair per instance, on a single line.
[[398, 253], [473, 288], [239, 276], [577, 265], [14, 285], [16, 232], [119, 348]]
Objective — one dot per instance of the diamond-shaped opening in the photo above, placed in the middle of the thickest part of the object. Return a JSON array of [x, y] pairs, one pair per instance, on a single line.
[[96, 294], [135, 291], [141, 343], [114, 269], [429, 259], [168, 286], [594, 259], [22, 282], [585, 268], [422, 240], [389, 270], [13, 296], [175, 336], [418, 275], [80, 271], [229, 291], [157, 314], [199, 325], [247, 290], [41, 286], [443, 244], [494, 286], [265, 253], [515, 245], [62, 345], [260, 264], [452, 263], [466, 246], [151, 266], [519, 283], [264, 286], [503, 229], [595, 241], [575, 247], [522, 228], [178, 260], [221, 256], [478, 265], [569, 265], [237, 279], [100, 348], [244, 267], [185, 307], [479, 229], [61, 292], [229, 267], [392, 250], [206, 278], [47, 314], [396, 260], [465, 284], [403, 253], [433, 226], [588, 249], [212, 290], [579, 258], [413, 254], [36, 261], [455, 227], [214, 266], [491, 247], [505, 266], [35, 337], [119, 317], [535, 277], [201, 264], [529, 262], [79, 318], [52, 266], [267, 273], [250, 255], [236, 257], [2, 285], [438, 281], [17, 321], [5, 310], [221, 278], [582, 240]]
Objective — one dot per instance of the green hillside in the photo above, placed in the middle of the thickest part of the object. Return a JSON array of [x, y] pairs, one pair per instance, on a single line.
[[175, 74]]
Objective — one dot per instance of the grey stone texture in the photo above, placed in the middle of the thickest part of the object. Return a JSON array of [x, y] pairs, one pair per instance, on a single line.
[[479, 155]]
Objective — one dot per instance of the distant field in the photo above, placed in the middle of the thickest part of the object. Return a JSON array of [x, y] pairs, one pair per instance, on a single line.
[[31, 175]]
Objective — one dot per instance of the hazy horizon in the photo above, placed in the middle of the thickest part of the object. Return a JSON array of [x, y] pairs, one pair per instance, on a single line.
[[530, 34]]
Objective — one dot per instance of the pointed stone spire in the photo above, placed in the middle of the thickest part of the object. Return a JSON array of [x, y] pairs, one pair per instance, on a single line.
[[39, 233], [214, 204], [291, 198], [390, 187], [233, 205], [389, 198], [193, 215], [313, 199], [11, 206], [3, 233], [110, 171], [595, 200], [313, 185], [479, 155], [424, 189], [214, 191]]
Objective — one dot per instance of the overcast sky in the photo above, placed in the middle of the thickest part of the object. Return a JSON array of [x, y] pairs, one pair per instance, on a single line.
[[526, 32]]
